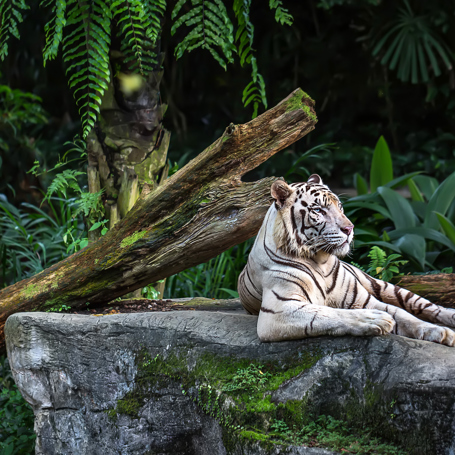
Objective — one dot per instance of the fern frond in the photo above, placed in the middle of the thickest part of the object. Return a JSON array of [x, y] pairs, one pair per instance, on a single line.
[[86, 52], [63, 181], [377, 256], [254, 92], [154, 12], [211, 29], [90, 205], [245, 32], [54, 29], [139, 25], [10, 18], [282, 15]]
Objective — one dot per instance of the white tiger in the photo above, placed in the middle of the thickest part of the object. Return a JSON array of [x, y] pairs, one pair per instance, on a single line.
[[296, 283]]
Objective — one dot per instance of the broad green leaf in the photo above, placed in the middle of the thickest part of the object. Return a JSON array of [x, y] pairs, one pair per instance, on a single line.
[[365, 230], [401, 180], [426, 184], [416, 195], [360, 184], [447, 226], [232, 293], [399, 207], [429, 234], [351, 208], [413, 246], [419, 209], [388, 245], [440, 201], [381, 167]]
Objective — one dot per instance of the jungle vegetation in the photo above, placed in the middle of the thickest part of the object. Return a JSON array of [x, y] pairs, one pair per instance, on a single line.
[[381, 73]]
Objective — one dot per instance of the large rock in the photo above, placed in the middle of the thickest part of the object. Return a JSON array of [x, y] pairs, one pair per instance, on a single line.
[[146, 384]]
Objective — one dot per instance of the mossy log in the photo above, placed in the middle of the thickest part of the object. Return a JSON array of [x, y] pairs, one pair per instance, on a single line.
[[438, 288], [199, 212]]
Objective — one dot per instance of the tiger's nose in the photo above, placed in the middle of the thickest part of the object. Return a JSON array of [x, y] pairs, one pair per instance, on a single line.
[[347, 229]]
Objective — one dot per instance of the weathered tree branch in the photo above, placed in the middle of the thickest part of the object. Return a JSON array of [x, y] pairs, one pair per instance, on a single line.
[[438, 288], [199, 212]]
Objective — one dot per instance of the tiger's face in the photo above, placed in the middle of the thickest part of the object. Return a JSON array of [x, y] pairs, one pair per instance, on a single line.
[[310, 219]]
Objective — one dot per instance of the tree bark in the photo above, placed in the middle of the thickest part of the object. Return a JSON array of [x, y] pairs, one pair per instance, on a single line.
[[199, 212], [438, 288], [128, 147]]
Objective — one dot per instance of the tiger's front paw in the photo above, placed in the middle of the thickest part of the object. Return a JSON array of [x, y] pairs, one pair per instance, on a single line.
[[436, 334], [371, 322]]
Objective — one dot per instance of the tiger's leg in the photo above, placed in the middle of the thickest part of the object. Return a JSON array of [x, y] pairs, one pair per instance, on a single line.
[[287, 316], [406, 324], [402, 298], [411, 327]]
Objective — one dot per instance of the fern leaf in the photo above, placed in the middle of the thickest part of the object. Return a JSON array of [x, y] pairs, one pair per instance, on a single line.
[[154, 13], [378, 258], [177, 8], [139, 26], [89, 204], [254, 93], [63, 181], [54, 29], [86, 53], [211, 29], [282, 15], [10, 18]]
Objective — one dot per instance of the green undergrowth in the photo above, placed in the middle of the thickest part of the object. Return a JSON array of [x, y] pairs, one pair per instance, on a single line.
[[16, 416], [238, 394]]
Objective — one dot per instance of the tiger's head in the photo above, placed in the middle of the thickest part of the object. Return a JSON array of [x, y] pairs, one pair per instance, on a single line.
[[310, 218]]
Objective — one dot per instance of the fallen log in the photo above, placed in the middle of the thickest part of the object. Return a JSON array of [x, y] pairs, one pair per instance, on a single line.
[[438, 288], [199, 212]]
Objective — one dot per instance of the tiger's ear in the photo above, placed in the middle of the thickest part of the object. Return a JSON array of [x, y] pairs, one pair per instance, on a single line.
[[315, 179], [280, 192]]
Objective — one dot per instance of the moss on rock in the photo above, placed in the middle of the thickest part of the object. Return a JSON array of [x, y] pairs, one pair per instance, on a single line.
[[237, 392]]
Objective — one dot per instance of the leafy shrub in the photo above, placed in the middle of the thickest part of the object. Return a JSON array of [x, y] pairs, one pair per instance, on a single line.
[[32, 239], [338, 435], [420, 229], [16, 417], [214, 279], [383, 266], [250, 378]]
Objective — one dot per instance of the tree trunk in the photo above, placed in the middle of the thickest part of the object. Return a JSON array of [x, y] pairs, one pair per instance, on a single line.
[[199, 212], [438, 288], [128, 147]]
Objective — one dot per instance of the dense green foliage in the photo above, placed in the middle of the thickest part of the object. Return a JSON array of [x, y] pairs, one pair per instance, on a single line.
[[215, 279], [32, 239], [16, 417], [377, 70], [86, 30], [420, 229]]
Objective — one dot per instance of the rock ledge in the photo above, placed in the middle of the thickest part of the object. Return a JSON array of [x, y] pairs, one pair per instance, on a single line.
[[83, 375]]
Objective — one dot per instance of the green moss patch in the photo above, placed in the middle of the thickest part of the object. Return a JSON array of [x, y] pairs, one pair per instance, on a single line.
[[127, 241], [238, 394], [301, 101]]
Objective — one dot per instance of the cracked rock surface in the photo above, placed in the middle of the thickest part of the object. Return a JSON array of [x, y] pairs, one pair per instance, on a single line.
[[73, 368]]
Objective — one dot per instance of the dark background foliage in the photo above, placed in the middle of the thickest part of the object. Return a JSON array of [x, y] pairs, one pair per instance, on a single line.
[[341, 52], [328, 52]]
